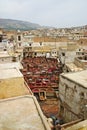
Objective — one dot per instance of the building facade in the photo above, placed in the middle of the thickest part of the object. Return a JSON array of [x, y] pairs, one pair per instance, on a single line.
[[73, 95]]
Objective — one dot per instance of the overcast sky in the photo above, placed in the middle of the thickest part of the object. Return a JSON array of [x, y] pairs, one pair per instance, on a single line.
[[56, 13]]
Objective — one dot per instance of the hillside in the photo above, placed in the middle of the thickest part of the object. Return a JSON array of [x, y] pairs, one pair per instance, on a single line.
[[10, 24]]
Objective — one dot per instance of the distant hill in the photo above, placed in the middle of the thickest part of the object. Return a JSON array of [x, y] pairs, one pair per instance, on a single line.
[[10, 24]]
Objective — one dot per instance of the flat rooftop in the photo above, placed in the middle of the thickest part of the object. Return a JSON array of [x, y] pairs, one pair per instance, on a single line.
[[24, 113], [11, 65], [79, 77], [10, 73], [79, 126], [73, 67], [4, 54]]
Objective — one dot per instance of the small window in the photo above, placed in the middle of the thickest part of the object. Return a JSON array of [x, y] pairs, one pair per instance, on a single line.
[[19, 44], [82, 95], [81, 42], [5, 49], [63, 54], [19, 38], [30, 44], [1, 38], [14, 59], [40, 43], [75, 89], [35, 53]]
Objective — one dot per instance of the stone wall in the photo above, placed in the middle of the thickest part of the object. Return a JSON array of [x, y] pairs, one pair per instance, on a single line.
[[73, 99]]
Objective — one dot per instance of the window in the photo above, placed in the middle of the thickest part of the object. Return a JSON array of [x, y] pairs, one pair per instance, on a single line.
[[75, 89], [19, 38], [63, 54], [81, 42], [19, 44], [35, 53], [30, 44], [40, 43], [5, 49], [82, 95], [14, 59], [0, 38]]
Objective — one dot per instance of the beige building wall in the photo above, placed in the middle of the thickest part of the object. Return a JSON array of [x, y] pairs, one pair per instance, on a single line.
[[5, 59], [72, 46], [73, 96], [11, 34], [50, 39]]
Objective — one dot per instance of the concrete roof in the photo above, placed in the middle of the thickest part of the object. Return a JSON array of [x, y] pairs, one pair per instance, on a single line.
[[78, 77], [73, 67], [4, 54], [24, 113], [10, 73], [11, 65], [79, 126]]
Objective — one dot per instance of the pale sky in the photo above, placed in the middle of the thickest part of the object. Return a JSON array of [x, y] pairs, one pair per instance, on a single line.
[[55, 13]]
